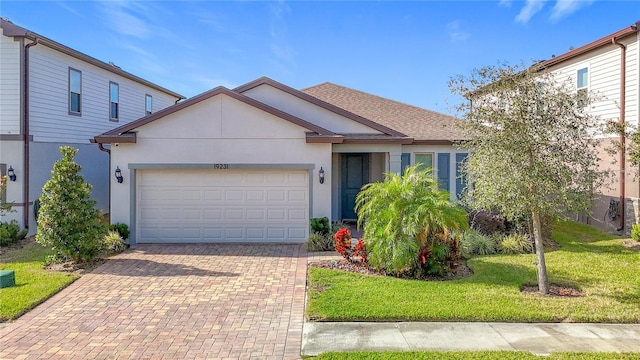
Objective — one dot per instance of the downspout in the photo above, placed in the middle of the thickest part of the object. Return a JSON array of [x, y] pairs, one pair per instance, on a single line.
[[621, 121], [108, 151], [25, 134]]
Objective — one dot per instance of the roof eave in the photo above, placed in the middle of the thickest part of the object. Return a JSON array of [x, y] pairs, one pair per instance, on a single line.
[[12, 30], [126, 138], [630, 30], [314, 138], [390, 140]]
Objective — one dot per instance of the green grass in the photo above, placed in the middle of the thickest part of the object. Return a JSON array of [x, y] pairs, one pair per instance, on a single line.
[[34, 284], [471, 355], [588, 259]]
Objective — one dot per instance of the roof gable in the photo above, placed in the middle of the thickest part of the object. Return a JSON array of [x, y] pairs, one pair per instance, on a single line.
[[368, 123], [124, 133]]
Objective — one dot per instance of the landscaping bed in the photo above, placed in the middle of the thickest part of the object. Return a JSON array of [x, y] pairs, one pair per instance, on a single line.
[[587, 262]]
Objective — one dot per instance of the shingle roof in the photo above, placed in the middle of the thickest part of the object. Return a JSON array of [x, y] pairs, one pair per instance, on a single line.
[[418, 123]]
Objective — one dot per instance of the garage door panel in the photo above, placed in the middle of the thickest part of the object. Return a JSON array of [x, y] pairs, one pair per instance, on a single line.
[[234, 233], [297, 215], [276, 195], [298, 233], [222, 205], [255, 214]]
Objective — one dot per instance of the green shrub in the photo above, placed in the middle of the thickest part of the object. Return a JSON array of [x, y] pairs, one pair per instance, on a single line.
[[516, 244], [475, 243], [122, 229], [68, 221], [407, 219], [320, 225], [635, 232], [113, 243], [10, 233], [319, 242]]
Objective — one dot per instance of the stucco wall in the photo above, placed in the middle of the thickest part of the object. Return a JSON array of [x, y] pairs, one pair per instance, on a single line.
[[308, 111], [220, 130]]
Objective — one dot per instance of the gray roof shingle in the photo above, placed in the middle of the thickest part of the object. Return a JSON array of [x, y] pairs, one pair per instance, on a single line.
[[416, 122]]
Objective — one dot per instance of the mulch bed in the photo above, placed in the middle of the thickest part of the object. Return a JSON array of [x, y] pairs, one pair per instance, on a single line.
[[357, 267], [73, 268], [554, 291]]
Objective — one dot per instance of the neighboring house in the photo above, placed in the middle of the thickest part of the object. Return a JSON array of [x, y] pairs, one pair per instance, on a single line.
[[610, 68], [51, 95], [255, 163]]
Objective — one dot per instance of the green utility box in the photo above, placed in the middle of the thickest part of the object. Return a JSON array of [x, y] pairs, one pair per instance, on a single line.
[[7, 278]]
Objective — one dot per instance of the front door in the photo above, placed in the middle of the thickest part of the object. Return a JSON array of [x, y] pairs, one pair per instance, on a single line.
[[355, 173]]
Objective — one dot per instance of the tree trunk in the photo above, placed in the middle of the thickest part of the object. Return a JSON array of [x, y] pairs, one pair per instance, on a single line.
[[543, 281]]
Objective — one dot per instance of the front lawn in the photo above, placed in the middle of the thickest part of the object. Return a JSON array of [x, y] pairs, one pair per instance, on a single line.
[[34, 284], [470, 355], [588, 259]]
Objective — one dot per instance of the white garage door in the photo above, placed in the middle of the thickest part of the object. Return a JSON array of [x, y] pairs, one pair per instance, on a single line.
[[185, 206]]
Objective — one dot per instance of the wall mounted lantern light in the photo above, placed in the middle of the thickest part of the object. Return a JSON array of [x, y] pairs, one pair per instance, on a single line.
[[321, 175], [119, 175], [11, 174]]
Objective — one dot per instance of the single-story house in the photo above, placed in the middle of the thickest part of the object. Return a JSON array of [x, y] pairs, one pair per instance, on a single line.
[[256, 163]]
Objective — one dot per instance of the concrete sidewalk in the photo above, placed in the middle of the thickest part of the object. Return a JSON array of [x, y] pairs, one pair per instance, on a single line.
[[538, 338]]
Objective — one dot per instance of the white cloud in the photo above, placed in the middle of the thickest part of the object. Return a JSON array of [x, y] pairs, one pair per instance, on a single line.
[[455, 33], [121, 19], [505, 3], [281, 49], [564, 8], [530, 8]]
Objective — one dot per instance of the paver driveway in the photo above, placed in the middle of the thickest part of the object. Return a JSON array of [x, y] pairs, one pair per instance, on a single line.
[[173, 302]]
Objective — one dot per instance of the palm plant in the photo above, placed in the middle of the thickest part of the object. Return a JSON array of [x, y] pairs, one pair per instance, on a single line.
[[403, 216]]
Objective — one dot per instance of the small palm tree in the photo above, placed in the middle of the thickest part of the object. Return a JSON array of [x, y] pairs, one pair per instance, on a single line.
[[404, 215]]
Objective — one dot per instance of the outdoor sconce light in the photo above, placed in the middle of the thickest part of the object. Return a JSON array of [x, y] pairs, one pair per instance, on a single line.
[[119, 175], [321, 175], [11, 174]]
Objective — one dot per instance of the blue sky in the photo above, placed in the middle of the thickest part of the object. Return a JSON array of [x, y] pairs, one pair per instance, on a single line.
[[406, 51]]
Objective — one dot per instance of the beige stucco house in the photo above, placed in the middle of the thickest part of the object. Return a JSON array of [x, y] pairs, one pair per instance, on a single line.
[[256, 163]]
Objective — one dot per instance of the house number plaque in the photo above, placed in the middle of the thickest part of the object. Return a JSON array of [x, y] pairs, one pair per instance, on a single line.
[[221, 166]]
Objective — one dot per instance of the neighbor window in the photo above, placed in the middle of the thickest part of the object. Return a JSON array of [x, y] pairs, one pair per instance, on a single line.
[[424, 161], [75, 91], [148, 104], [114, 101], [583, 84]]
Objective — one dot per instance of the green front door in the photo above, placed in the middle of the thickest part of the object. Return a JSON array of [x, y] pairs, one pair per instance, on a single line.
[[355, 173]]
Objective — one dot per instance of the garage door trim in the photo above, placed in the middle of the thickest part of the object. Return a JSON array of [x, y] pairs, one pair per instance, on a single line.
[[213, 166]]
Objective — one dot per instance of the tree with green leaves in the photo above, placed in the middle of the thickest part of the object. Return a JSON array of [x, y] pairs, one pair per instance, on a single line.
[[68, 221], [405, 215], [532, 146]]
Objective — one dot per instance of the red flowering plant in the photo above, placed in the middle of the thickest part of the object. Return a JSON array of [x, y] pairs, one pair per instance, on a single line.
[[343, 246], [361, 250], [343, 243]]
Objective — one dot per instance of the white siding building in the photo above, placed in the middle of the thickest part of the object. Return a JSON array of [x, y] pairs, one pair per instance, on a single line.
[[610, 68], [51, 95]]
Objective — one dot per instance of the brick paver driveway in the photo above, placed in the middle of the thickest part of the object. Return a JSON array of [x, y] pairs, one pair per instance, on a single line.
[[173, 302]]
